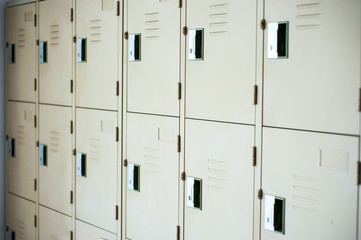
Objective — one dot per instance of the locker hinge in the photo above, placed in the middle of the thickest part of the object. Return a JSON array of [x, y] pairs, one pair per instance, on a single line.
[[74, 152], [35, 121], [35, 84], [178, 143], [71, 86], [71, 235], [117, 134], [71, 197], [71, 127], [185, 30], [359, 101], [35, 20], [116, 212], [7, 137], [254, 156], [35, 184], [118, 8], [178, 232], [117, 88], [183, 176], [255, 96], [37, 42], [260, 194], [125, 163], [74, 39], [126, 35], [263, 24], [7, 44], [35, 221], [71, 15], [180, 3], [179, 91], [358, 173], [37, 143]]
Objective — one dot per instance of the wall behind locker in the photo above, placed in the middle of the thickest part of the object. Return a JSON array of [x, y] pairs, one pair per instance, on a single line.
[[2, 118]]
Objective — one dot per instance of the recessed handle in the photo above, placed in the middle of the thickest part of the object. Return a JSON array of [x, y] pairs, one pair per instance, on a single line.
[[194, 193], [134, 47], [11, 235], [196, 44], [81, 164], [11, 53], [81, 45], [134, 177], [12, 147], [277, 40], [43, 155], [43, 52], [275, 214]]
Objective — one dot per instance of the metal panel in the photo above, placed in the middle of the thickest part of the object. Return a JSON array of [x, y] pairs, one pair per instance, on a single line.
[[153, 80], [88, 232], [53, 225], [21, 216], [219, 157], [21, 167], [317, 86], [220, 81], [96, 191], [98, 74], [152, 146], [316, 174], [55, 179], [55, 29], [21, 34]]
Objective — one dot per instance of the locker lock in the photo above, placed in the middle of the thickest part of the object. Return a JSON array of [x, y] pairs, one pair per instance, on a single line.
[[81, 164], [275, 214], [194, 193], [134, 177], [12, 147]]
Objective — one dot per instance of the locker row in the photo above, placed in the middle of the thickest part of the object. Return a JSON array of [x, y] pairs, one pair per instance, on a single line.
[[213, 60]]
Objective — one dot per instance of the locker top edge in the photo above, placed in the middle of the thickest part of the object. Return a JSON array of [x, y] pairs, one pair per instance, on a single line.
[[18, 2]]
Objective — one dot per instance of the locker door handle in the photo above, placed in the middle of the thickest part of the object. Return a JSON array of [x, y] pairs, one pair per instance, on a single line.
[[196, 44], [134, 177], [11, 235], [43, 155], [12, 147], [81, 163], [194, 193], [277, 40], [275, 214], [81, 46], [43, 52], [11, 53], [134, 47]]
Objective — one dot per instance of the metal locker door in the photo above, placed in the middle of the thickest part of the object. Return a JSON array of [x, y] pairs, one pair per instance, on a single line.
[[54, 225], [220, 180], [21, 52], [97, 44], [312, 65], [21, 149], [88, 232], [153, 56], [96, 157], [55, 158], [310, 185], [21, 217], [221, 60], [55, 51], [153, 177]]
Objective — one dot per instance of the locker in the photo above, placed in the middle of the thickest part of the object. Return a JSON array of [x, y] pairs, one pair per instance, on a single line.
[[298, 93], [96, 159], [309, 183], [97, 47], [54, 225], [55, 52], [220, 60], [55, 158], [153, 177], [21, 53], [88, 232], [21, 216], [153, 56], [21, 149], [220, 180]]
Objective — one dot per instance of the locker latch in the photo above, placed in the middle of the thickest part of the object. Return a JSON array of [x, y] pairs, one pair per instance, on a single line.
[[278, 40], [43, 52], [81, 164], [134, 47], [81, 46], [195, 44], [275, 214], [11, 234], [133, 177], [12, 147], [11, 53], [43, 155], [194, 193]]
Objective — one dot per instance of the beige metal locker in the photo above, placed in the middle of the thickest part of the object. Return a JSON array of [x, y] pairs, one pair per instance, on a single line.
[[153, 56], [219, 181], [88, 232], [96, 159], [97, 46], [54, 225], [21, 149], [153, 177], [309, 184], [21, 218], [312, 65], [55, 158], [221, 60], [21, 52], [55, 51]]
